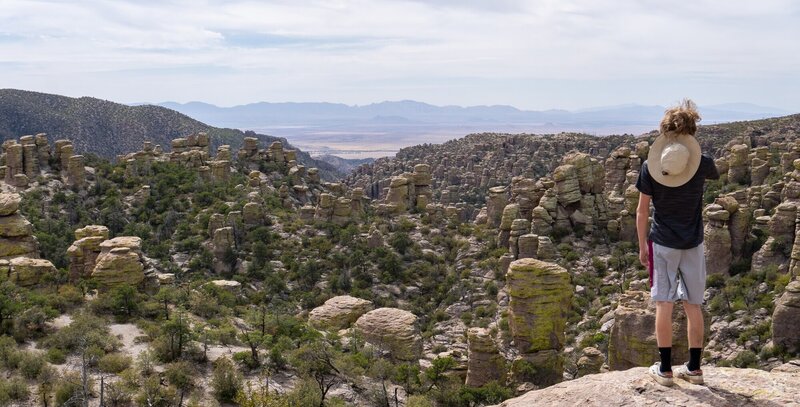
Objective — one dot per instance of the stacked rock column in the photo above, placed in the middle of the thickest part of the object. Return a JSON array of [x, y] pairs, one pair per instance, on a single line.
[[540, 297]]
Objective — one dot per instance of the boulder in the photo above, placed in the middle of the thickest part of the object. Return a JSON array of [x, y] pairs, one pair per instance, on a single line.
[[591, 174], [633, 343], [15, 226], [91, 231], [737, 164], [392, 330], [527, 245], [786, 318], [590, 362], [252, 214], [567, 185], [222, 240], [484, 362], [338, 312], [9, 203], [26, 246], [27, 272], [118, 265], [230, 286]]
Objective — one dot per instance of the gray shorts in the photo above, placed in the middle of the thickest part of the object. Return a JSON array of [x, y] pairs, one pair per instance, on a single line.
[[678, 274]]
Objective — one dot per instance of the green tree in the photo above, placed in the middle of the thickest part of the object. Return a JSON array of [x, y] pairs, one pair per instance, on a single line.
[[177, 333], [316, 360], [124, 300], [10, 305], [181, 376]]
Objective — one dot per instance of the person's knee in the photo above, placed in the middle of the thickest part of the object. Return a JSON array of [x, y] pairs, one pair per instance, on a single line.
[[689, 307], [664, 304]]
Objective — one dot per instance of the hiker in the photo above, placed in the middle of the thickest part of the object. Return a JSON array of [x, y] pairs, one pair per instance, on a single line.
[[673, 178]]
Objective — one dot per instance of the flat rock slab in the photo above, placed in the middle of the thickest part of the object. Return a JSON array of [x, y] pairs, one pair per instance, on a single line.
[[724, 387]]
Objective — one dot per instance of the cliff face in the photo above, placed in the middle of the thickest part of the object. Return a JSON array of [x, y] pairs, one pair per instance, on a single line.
[[724, 387]]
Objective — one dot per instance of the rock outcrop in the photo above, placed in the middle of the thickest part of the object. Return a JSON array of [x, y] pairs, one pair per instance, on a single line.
[[590, 362], [27, 272], [16, 233], [540, 296], [777, 249], [786, 319], [724, 387], [338, 312], [484, 362], [84, 250], [119, 262], [633, 342], [392, 330], [717, 240]]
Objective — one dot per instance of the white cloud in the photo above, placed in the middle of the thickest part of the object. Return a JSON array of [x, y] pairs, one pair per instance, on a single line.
[[533, 54]]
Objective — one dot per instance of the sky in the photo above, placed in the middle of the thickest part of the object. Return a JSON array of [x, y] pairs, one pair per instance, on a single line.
[[536, 54]]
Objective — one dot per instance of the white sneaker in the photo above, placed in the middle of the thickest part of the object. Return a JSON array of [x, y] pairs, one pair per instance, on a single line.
[[664, 379], [691, 376]]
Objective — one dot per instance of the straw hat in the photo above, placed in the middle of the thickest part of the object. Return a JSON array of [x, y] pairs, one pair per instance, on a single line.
[[673, 159]]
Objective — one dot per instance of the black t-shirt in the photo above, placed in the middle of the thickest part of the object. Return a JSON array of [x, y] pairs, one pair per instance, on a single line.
[[678, 217]]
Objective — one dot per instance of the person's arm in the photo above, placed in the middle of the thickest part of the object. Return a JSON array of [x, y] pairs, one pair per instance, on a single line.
[[642, 227], [713, 172]]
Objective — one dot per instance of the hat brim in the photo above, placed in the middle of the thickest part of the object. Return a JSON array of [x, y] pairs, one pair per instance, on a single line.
[[654, 160]]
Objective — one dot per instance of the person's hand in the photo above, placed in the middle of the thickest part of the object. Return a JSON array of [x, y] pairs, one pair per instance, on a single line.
[[643, 256]]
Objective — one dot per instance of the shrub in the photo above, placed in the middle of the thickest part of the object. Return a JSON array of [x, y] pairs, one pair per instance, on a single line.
[[114, 362], [56, 356], [31, 364], [67, 388], [226, 382], [418, 400], [14, 389], [593, 340], [745, 359]]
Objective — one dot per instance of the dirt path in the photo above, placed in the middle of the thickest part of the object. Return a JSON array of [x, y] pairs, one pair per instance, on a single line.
[[127, 334]]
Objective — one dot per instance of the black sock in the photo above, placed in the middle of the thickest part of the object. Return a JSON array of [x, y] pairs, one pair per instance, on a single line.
[[666, 359], [694, 358]]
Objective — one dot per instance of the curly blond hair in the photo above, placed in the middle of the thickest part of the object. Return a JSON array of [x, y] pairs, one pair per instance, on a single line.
[[681, 119]]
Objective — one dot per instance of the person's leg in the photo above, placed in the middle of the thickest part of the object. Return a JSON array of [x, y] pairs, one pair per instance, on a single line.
[[695, 324], [664, 292], [692, 290], [664, 324]]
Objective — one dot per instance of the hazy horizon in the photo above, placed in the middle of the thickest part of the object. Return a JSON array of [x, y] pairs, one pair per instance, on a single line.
[[534, 55]]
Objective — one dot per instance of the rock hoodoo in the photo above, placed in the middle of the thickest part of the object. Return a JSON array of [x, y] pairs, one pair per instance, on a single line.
[[540, 296], [16, 233], [484, 362], [786, 317], [84, 250], [119, 262]]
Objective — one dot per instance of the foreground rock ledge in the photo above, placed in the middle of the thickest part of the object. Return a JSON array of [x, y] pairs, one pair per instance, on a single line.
[[724, 387]]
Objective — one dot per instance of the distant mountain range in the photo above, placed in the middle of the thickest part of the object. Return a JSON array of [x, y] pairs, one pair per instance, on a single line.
[[108, 129], [264, 114]]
